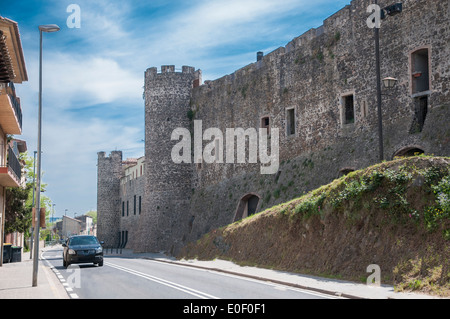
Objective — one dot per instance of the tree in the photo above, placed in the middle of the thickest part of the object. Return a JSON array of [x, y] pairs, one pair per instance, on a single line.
[[19, 201], [93, 214], [18, 215]]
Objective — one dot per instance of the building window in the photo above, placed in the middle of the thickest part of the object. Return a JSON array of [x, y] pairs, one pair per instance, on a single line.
[[348, 107], [265, 123], [134, 210], [140, 204], [420, 71], [364, 109], [290, 122]]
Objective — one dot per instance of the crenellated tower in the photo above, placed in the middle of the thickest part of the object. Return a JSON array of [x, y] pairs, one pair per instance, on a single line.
[[165, 218], [109, 172]]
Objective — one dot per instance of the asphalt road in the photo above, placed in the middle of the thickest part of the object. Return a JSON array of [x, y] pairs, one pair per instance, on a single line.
[[130, 278]]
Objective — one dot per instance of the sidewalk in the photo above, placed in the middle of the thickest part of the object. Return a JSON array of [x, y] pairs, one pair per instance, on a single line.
[[16, 281]]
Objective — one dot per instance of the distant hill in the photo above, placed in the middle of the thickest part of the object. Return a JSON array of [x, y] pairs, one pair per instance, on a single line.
[[395, 214]]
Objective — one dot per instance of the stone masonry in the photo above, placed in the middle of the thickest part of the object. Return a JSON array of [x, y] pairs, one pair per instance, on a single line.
[[108, 201], [319, 91]]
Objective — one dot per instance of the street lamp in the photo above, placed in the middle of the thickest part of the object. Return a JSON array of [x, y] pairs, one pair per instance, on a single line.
[[48, 29], [388, 82]]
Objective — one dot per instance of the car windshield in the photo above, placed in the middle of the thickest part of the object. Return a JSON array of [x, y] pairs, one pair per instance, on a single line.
[[84, 240]]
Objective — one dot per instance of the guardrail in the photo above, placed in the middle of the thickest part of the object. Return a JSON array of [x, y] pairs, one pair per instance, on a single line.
[[14, 164], [17, 109]]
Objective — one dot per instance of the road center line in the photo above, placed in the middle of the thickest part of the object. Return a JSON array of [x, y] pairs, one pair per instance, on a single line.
[[164, 282]]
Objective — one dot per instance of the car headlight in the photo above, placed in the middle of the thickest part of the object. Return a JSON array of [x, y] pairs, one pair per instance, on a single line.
[[98, 250], [72, 252]]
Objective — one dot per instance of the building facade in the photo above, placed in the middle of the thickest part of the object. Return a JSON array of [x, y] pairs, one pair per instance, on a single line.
[[12, 71], [320, 93]]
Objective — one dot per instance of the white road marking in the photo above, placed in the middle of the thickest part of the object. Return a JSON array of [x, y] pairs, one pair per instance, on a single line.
[[60, 277], [164, 282]]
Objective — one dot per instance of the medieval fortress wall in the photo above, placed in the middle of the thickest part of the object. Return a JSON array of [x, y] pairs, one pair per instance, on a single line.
[[319, 91]]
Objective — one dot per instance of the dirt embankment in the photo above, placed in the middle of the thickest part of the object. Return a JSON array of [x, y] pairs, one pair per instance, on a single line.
[[395, 215]]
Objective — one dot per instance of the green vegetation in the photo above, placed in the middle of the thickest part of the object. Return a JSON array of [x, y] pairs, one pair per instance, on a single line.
[[191, 115], [19, 203], [395, 199], [395, 214]]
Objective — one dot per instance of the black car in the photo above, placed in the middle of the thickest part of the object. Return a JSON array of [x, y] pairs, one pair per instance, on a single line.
[[82, 249]]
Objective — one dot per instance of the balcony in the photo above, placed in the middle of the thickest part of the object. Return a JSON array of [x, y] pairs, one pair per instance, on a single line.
[[10, 111], [11, 174]]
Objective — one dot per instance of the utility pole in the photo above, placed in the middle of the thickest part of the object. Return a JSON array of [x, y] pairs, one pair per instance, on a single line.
[[379, 110], [33, 204], [42, 28]]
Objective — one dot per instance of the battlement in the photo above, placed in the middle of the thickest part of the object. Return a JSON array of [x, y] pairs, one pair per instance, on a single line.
[[171, 69], [329, 28], [114, 154], [152, 73]]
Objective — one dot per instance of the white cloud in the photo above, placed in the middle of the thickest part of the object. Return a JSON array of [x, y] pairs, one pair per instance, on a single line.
[[74, 79], [213, 23], [69, 156], [100, 68], [219, 36]]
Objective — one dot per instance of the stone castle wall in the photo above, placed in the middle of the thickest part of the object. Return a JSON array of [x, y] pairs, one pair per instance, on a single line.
[[167, 185], [323, 84], [313, 75], [131, 207], [109, 172]]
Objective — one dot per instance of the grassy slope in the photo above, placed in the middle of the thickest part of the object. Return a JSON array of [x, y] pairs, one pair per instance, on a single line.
[[395, 214]]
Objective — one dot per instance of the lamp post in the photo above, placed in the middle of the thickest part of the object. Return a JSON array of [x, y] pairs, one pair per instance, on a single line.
[[389, 83], [53, 221], [48, 29], [380, 116], [390, 10], [34, 187]]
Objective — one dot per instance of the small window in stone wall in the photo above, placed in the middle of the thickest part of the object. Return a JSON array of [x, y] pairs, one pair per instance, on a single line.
[[265, 123], [420, 71], [140, 204], [290, 122], [349, 109], [364, 109]]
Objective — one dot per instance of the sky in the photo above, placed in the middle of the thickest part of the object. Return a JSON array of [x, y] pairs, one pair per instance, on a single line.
[[93, 75]]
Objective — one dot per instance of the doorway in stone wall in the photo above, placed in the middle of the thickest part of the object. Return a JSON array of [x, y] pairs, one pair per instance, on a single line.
[[409, 151], [248, 206]]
